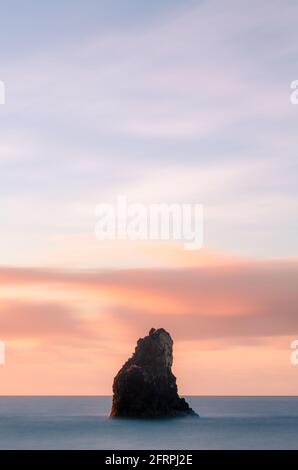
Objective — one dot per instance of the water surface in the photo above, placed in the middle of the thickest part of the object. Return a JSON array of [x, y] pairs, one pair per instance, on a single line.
[[82, 423]]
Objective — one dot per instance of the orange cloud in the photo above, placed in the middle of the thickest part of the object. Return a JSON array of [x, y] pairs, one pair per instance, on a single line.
[[88, 321], [248, 298], [36, 320]]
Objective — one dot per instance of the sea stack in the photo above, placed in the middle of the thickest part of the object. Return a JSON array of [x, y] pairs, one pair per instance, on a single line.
[[145, 386]]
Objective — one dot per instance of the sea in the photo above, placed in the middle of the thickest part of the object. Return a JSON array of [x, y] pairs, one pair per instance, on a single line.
[[83, 423]]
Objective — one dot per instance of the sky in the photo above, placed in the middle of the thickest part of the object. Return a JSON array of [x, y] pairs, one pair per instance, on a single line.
[[163, 101]]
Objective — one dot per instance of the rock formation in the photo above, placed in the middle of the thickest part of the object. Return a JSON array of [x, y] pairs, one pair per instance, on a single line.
[[145, 386]]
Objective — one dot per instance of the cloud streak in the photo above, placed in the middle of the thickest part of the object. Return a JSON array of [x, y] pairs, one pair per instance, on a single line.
[[242, 299]]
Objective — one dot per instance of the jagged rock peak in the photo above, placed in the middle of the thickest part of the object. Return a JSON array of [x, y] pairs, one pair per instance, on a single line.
[[145, 386]]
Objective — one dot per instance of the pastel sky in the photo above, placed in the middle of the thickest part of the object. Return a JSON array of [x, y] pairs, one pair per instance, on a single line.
[[163, 101]]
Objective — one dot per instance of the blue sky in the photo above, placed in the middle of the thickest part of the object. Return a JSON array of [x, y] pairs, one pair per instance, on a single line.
[[33, 25], [157, 100]]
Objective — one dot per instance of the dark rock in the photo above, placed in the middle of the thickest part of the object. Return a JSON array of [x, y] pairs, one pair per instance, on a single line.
[[145, 387]]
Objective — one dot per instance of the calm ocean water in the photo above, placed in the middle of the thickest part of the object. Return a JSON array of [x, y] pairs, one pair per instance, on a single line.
[[82, 423]]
